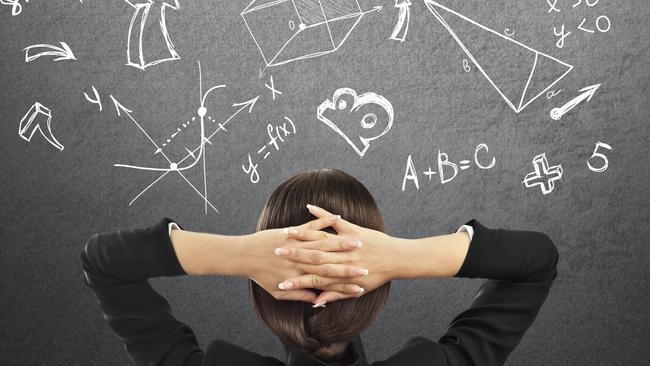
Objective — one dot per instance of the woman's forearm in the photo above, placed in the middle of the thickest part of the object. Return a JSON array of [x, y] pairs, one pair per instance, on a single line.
[[209, 254], [435, 256]]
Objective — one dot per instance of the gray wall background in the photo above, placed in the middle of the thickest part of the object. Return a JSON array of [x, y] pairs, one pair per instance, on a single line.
[[52, 201]]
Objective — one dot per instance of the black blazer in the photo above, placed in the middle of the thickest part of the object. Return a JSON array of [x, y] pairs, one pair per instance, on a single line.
[[520, 267]]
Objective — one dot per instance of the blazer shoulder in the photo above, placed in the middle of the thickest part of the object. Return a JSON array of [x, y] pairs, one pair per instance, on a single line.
[[221, 352], [417, 351]]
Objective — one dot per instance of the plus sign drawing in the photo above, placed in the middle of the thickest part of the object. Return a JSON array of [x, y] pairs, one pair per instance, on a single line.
[[544, 175], [290, 30]]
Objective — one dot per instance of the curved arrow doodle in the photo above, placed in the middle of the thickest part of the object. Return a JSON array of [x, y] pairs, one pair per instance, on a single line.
[[40, 50]]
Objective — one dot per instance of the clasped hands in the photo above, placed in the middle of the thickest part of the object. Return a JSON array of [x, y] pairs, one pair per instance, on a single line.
[[347, 264]]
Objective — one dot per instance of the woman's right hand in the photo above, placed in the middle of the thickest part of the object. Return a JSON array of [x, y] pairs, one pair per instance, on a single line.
[[380, 253]]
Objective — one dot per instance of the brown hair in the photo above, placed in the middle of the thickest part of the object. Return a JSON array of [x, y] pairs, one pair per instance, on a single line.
[[327, 332]]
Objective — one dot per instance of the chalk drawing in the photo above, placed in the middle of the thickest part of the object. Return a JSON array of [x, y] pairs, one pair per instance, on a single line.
[[562, 34], [603, 25], [289, 30], [466, 66], [402, 26], [97, 100], [551, 93], [587, 94], [551, 4], [277, 134], [346, 116], [544, 175], [587, 2], [38, 118], [40, 50], [16, 6], [149, 42], [193, 156], [518, 91], [272, 88], [447, 170], [601, 156]]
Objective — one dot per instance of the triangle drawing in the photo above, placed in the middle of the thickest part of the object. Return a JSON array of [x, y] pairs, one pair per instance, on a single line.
[[519, 73]]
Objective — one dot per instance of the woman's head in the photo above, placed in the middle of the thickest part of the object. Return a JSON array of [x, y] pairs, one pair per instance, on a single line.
[[325, 332]]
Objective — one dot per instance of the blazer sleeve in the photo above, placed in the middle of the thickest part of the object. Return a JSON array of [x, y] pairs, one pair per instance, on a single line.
[[117, 267], [520, 267]]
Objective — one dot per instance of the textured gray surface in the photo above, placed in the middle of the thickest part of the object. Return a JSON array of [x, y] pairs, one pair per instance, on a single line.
[[53, 201]]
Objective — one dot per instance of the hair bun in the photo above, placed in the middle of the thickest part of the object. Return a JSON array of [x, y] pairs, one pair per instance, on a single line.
[[332, 352]]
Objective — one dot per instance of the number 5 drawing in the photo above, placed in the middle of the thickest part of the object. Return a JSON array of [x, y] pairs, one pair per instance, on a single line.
[[596, 154]]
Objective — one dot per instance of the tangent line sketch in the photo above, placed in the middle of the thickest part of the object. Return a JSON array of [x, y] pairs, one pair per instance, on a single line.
[[149, 42], [359, 117], [478, 42], [402, 26], [38, 118], [290, 30], [16, 7], [193, 156], [39, 50], [587, 94], [543, 176]]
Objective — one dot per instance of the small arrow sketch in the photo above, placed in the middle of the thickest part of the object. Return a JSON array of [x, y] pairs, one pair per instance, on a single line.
[[543, 176], [587, 94], [402, 26], [40, 50], [38, 118]]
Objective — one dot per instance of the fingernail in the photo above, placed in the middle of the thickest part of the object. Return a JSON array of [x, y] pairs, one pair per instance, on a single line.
[[319, 305], [338, 216], [361, 271], [285, 285], [309, 207], [359, 289], [281, 251], [290, 230], [335, 217]]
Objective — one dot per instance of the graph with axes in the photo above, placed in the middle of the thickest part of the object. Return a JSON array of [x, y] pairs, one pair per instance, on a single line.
[[196, 156]]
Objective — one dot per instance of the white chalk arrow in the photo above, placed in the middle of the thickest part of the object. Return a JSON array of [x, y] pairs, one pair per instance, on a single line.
[[587, 94], [40, 50], [402, 26]]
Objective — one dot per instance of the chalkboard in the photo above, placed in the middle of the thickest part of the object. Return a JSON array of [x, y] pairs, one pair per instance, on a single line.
[[522, 114]]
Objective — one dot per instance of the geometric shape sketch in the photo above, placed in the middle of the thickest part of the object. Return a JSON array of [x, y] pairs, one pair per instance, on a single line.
[[519, 73], [149, 42], [38, 118], [290, 30]]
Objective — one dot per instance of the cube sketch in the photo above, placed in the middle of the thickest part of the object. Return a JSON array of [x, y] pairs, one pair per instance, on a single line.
[[289, 30]]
